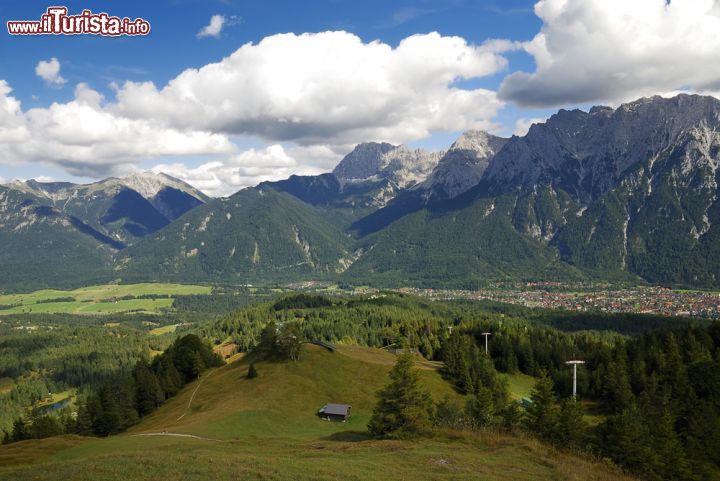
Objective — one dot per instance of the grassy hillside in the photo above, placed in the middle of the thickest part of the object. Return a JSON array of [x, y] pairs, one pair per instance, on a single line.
[[266, 428], [283, 400]]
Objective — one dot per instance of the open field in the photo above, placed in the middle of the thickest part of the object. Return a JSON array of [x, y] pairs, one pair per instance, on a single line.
[[520, 385], [89, 307], [103, 299], [266, 428], [159, 331]]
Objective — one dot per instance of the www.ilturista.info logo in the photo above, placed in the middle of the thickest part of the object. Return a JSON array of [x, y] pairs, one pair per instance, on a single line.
[[56, 21]]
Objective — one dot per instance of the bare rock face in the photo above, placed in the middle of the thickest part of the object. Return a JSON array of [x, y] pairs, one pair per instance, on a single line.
[[366, 160], [396, 163], [589, 153], [149, 184], [408, 167], [462, 167]]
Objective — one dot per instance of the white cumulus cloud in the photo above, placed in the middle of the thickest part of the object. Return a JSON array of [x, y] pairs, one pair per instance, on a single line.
[[214, 28], [617, 50], [327, 88], [49, 71], [522, 125], [44, 178], [248, 168], [85, 139]]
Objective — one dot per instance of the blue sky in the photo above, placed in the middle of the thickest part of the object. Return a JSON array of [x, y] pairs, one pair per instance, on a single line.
[[104, 65], [173, 46]]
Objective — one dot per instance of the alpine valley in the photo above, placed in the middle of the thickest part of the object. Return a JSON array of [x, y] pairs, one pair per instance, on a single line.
[[626, 194]]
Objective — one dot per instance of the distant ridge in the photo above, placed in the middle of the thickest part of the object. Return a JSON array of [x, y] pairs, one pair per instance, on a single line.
[[65, 234], [626, 194]]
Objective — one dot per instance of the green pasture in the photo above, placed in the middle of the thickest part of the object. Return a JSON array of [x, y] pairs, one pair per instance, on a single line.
[[227, 427], [103, 299]]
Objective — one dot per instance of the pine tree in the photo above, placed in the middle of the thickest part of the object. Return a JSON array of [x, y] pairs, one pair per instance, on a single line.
[[426, 348], [88, 411], [542, 414], [511, 416], [19, 431], [617, 393], [702, 438], [108, 420], [168, 376], [124, 393], [404, 406], [448, 415], [268, 340], [572, 427], [191, 356], [189, 363], [466, 384], [148, 393], [68, 422], [626, 440], [480, 408], [672, 462]]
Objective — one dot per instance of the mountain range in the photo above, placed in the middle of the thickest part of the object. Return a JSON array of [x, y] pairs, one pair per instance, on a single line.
[[626, 193], [58, 233]]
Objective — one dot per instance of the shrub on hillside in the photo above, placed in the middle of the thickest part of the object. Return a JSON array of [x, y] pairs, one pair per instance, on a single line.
[[280, 343]]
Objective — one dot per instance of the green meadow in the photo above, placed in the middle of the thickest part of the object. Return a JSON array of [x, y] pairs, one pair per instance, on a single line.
[[102, 299], [225, 426], [159, 331], [520, 385]]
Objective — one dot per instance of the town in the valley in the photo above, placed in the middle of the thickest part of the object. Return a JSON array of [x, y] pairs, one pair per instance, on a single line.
[[591, 297]]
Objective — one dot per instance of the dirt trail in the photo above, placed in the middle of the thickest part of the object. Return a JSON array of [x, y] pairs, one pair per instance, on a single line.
[[179, 435], [192, 396]]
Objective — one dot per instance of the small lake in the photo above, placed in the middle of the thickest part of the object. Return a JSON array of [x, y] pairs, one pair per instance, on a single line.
[[56, 406]]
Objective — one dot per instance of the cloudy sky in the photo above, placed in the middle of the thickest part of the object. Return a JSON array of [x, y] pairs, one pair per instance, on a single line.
[[228, 93]]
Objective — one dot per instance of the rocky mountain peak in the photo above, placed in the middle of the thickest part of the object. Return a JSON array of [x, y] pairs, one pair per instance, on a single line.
[[479, 141], [397, 163], [149, 184], [364, 161], [49, 187], [463, 165]]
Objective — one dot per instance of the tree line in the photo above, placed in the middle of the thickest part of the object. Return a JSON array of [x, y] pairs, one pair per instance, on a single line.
[[43, 354], [658, 394], [121, 402]]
